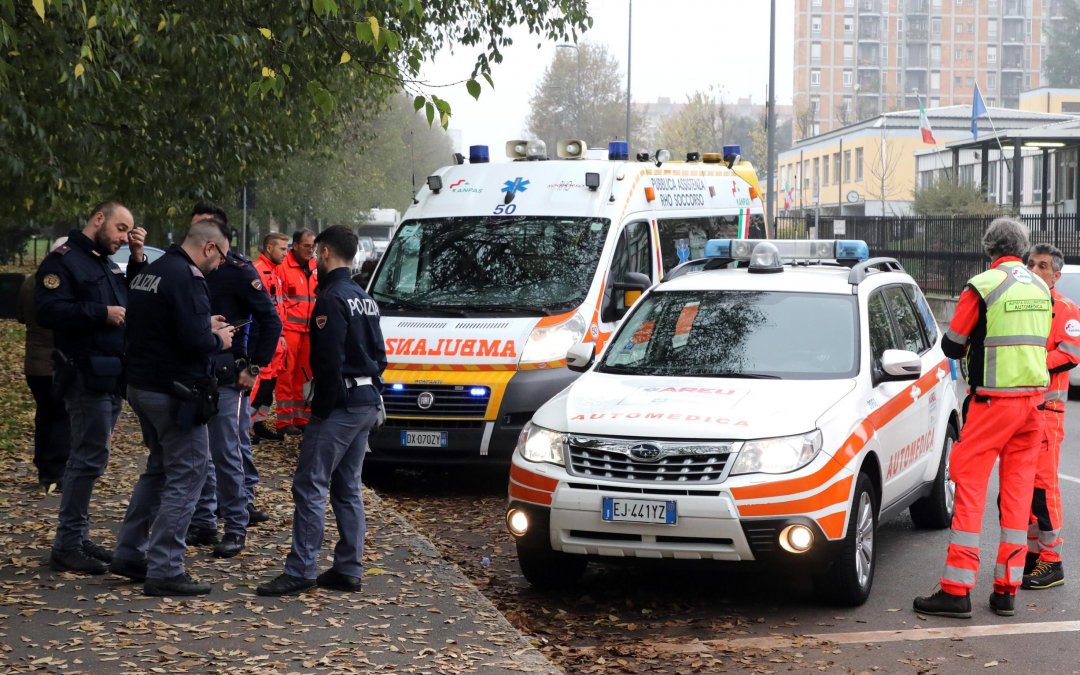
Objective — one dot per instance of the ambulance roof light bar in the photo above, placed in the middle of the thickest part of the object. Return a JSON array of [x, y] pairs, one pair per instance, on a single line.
[[790, 249]]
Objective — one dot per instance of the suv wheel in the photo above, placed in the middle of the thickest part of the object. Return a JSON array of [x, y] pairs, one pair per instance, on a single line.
[[548, 569], [849, 580], [935, 511]]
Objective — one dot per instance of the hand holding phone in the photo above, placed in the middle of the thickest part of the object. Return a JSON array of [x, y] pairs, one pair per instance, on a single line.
[[240, 325]]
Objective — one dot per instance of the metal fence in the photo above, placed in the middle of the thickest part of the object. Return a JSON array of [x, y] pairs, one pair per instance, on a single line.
[[940, 252]]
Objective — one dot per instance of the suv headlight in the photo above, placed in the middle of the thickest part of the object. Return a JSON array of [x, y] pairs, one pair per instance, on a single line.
[[549, 343], [778, 455], [538, 444]]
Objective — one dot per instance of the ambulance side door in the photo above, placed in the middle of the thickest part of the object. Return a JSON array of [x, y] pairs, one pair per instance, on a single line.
[[899, 421], [633, 254]]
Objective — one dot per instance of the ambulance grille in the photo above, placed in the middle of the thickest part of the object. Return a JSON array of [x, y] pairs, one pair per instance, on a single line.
[[606, 460], [448, 400]]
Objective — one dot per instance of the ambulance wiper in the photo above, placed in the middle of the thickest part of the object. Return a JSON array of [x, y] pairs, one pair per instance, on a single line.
[[525, 309], [621, 370], [415, 306]]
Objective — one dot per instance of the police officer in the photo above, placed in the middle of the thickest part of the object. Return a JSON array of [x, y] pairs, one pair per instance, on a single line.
[[171, 338], [347, 361], [81, 295], [1002, 322], [237, 293]]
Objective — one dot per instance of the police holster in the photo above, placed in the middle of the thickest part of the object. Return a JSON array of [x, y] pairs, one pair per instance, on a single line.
[[64, 373], [225, 368], [195, 405]]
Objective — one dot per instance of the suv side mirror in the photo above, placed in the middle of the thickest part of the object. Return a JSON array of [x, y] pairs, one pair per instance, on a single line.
[[579, 358], [900, 364]]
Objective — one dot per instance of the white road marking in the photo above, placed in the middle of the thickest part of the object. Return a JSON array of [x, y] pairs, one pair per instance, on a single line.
[[1068, 478], [873, 637]]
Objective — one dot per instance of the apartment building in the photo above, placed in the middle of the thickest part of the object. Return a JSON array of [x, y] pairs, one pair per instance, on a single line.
[[855, 59]]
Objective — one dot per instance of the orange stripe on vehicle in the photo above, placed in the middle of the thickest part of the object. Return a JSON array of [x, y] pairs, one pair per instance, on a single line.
[[533, 480], [452, 367], [529, 495], [833, 524], [552, 320], [851, 447], [837, 493]]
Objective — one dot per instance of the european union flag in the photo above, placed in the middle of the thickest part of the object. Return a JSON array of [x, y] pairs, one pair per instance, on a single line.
[[978, 109]]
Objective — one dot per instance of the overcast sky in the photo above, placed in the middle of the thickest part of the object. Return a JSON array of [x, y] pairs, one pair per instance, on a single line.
[[680, 46]]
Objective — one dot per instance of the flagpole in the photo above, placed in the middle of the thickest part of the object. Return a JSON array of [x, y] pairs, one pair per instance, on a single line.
[[997, 137], [941, 160]]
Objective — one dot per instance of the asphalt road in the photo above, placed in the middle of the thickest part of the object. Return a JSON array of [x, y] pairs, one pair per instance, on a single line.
[[747, 609]]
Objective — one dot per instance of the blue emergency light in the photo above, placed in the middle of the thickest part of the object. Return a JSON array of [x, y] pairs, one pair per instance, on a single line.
[[732, 150], [478, 391], [478, 154], [397, 386], [790, 249], [618, 150]]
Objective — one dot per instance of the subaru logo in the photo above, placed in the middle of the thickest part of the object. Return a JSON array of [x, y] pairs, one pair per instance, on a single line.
[[645, 452], [425, 400]]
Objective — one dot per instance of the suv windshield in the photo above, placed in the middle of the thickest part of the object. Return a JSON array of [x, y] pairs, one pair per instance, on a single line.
[[769, 335], [474, 263]]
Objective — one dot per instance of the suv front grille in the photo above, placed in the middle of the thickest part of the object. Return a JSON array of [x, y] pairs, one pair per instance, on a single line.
[[650, 461], [448, 400]]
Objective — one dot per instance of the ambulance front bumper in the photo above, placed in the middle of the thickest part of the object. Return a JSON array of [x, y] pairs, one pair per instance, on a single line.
[[471, 441]]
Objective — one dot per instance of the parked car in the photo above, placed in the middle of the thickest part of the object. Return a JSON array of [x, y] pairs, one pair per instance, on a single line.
[[122, 255]]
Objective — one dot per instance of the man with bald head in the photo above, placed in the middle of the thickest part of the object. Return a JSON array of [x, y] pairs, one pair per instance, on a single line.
[[81, 295], [171, 338]]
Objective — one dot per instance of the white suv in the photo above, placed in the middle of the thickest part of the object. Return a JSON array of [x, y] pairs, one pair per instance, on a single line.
[[775, 401]]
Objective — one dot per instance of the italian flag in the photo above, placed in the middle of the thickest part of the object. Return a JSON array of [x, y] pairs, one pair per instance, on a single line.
[[924, 126]]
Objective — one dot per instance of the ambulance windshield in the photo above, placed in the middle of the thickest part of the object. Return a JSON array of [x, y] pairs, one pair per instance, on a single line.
[[480, 265], [743, 334]]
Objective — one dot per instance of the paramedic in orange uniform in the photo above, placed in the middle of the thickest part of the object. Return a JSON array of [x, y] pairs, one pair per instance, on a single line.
[[298, 281]]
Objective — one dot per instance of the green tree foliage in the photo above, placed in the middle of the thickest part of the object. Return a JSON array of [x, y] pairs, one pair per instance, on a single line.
[[158, 103], [706, 124], [373, 169], [554, 111], [947, 198], [1062, 61]]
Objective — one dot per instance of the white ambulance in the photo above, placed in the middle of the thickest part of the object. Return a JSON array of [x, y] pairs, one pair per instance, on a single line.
[[746, 409], [498, 268]]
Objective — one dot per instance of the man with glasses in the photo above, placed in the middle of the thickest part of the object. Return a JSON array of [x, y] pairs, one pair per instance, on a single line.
[[237, 294], [298, 281], [171, 338]]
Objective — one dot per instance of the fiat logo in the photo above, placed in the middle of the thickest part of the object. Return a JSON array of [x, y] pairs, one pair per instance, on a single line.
[[425, 400], [645, 452]]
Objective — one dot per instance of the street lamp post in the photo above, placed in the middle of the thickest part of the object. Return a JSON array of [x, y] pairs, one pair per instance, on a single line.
[[629, 52], [575, 48], [773, 184]]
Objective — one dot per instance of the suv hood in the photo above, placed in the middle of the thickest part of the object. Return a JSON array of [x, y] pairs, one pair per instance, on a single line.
[[697, 408]]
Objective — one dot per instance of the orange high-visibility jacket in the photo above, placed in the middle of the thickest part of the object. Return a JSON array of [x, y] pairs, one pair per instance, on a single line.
[[298, 292]]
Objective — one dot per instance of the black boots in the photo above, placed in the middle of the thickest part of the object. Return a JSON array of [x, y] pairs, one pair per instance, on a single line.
[[944, 604]]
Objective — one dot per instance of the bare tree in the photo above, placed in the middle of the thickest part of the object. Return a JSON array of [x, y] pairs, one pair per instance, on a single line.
[[804, 120], [845, 115], [884, 163]]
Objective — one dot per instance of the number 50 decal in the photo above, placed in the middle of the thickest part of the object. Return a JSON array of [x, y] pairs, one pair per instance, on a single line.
[[505, 210]]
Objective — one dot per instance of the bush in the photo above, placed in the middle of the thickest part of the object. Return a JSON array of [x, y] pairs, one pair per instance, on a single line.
[[946, 198]]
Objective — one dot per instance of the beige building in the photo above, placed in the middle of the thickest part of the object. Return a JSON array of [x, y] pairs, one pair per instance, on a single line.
[[870, 168], [857, 58]]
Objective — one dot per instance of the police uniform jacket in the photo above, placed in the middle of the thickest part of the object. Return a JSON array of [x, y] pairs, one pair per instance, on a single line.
[[237, 293], [168, 324], [346, 343], [74, 287]]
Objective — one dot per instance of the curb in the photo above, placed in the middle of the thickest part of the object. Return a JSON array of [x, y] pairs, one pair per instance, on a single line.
[[527, 657]]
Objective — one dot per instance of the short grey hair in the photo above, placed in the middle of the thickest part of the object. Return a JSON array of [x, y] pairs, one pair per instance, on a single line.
[[1006, 237], [1057, 258]]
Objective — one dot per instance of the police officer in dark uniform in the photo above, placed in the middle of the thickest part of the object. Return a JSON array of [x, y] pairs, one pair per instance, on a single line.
[[347, 361], [171, 339], [237, 293], [81, 294]]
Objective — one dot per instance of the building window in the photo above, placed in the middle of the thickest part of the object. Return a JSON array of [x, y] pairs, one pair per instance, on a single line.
[[1036, 177], [959, 28], [847, 166], [1027, 81], [927, 179], [815, 78], [937, 26], [849, 52], [858, 163], [967, 175], [825, 170], [935, 81], [959, 81], [815, 104], [815, 52], [971, 82], [885, 55], [971, 29], [935, 53], [815, 24], [817, 176], [817, 3], [959, 55], [899, 78], [935, 103], [847, 78], [836, 168], [991, 28], [970, 55], [806, 174], [991, 54], [849, 24], [991, 82]]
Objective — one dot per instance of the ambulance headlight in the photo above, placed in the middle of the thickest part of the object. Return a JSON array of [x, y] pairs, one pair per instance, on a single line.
[[538, 444], [778, 455], [549, 343]]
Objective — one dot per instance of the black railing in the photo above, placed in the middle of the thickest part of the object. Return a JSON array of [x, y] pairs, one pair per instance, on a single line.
[[940, 252]]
